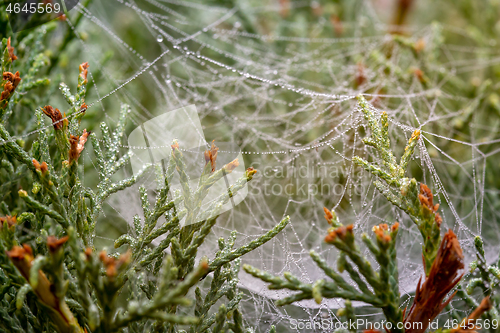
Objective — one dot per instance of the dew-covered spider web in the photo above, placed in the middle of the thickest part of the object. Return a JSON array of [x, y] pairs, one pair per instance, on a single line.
[[277, 81]]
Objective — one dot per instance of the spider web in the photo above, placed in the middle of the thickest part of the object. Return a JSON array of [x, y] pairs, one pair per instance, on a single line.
[[283, 92]]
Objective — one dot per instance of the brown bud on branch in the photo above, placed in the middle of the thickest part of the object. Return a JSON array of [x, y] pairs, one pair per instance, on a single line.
[[340, 232], [426, 199], [54, 244], [10, 220], [12, 81], [211, 156], [22, 257], [328, 215], [112, 265], [443, 277], [13, 78], [77, 143], [251, 171], [10, 49], [55, 115], [232, 165], [43, 167], [84, 71], [382, 232]]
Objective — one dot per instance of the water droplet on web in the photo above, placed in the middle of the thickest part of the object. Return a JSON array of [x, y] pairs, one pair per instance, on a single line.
[[237, 25], [159, 39]]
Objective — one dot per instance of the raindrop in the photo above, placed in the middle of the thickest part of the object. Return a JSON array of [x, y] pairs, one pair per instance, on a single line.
[[159, 39]]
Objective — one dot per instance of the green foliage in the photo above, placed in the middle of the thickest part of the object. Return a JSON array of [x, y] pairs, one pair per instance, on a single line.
[[53, 280], [399, 190], [384, 284], [380, 288]]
